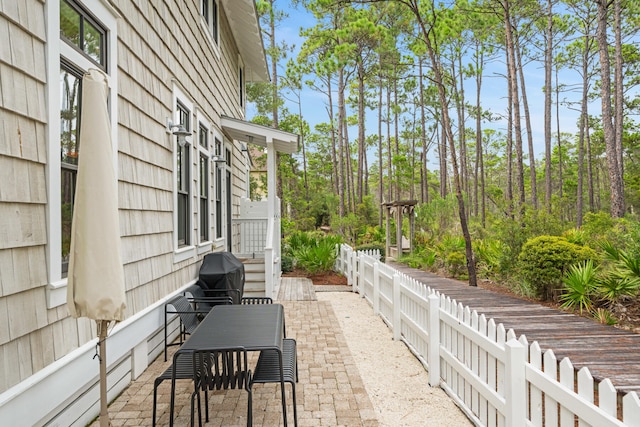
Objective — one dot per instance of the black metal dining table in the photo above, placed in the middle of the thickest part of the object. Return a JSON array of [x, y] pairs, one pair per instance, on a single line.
[[254, 327]]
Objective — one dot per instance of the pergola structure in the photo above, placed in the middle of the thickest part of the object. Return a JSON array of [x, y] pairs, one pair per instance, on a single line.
[[399, 209]]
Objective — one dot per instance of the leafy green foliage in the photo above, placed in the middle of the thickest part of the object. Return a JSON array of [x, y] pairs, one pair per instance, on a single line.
[[287, 264], [544, 261], [488, 254], [313, 252], [604, 316], [623, 278], [579, 286]]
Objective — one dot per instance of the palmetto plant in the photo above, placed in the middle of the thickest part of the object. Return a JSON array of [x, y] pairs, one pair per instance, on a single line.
[[613, 288], [315, 253], [623, 279], [604, 316], [580, 283]]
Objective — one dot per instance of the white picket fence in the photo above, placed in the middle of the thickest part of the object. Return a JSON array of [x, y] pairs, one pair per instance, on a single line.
[[497, 378]]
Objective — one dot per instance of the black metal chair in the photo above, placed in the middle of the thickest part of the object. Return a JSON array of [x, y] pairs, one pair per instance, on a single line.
[[180, 369], [220, 369], [205, 300], [268, 369], [188, 316]]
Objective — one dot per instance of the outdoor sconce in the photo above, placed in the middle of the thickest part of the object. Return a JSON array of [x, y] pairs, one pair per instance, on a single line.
[[179, 131], [218, 159]]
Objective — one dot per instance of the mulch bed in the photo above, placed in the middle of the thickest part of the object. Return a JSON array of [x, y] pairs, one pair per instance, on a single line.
[[328, 278]]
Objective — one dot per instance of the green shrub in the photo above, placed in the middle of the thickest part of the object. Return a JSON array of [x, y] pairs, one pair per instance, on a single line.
[[286, 264], [544, 260], [318, 258], [313, 252]]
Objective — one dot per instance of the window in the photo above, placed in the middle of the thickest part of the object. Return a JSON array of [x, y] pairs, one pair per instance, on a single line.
[[182, 172], [203, 138], [83, 42], [210, 16], [83, 32], [80, 31], [218, 152], [70, 89]]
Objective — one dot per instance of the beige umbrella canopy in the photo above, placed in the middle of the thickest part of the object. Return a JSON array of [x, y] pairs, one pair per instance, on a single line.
[[96, 279]]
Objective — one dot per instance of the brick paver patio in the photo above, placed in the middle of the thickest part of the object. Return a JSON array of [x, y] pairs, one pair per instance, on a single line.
[[330, 391]]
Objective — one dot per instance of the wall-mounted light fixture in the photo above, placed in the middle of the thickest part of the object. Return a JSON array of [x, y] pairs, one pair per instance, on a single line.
[[218, 159], [179, 131]]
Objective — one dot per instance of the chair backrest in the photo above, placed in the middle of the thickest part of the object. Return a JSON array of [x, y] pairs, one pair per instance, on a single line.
[[204, 303], [221, 368], [183, 308], [256, 300]]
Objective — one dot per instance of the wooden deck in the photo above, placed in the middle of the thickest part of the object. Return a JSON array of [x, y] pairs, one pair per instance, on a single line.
[[296, 289], [608, 352]]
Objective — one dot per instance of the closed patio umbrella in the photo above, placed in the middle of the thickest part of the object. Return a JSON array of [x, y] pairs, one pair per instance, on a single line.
[[96, 279]]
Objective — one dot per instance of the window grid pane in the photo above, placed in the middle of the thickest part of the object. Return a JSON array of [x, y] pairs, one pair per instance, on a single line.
[[204, 197], [183, 177], [70, 91], [83, 32]]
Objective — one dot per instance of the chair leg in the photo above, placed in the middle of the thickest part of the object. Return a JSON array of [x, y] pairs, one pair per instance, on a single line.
[[155, 401], [249, 409], [295, 410], [206, 404]]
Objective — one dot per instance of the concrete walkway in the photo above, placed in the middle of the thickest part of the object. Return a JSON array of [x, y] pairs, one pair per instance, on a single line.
[[330, 391]]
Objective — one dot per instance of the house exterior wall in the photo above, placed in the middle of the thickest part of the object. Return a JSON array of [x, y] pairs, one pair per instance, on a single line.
[[161, 45]]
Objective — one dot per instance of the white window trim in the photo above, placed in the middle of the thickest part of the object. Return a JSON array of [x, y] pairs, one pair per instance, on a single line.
[[189, 251], [57, 286], [206, 28], [205, 246], [218, 242]]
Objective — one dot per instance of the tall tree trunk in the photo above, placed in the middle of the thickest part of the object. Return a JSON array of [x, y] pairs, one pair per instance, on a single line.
[[559, 135], [613, 169], [304, 151], [460, 107], [424, 187], [341, 150], [548, 55], [334, 142], [348, 170], [390, 176], [361, 134], [618, 86], [442, 156], [274, 85], [515, 101], [590, 178], [396, 126], [584, 130], [446, 122], [509, 148], [579, 190], [412, 159], [527, 120], [479, 167], [380, 168]]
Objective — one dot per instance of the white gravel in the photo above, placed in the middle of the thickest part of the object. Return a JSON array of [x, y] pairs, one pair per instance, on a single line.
[[394, 379]]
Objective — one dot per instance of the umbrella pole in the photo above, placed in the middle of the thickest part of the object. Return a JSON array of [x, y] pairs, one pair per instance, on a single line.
[[102, 336]]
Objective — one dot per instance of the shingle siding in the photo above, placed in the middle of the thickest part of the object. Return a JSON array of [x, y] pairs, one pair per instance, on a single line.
[[160, 43]]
